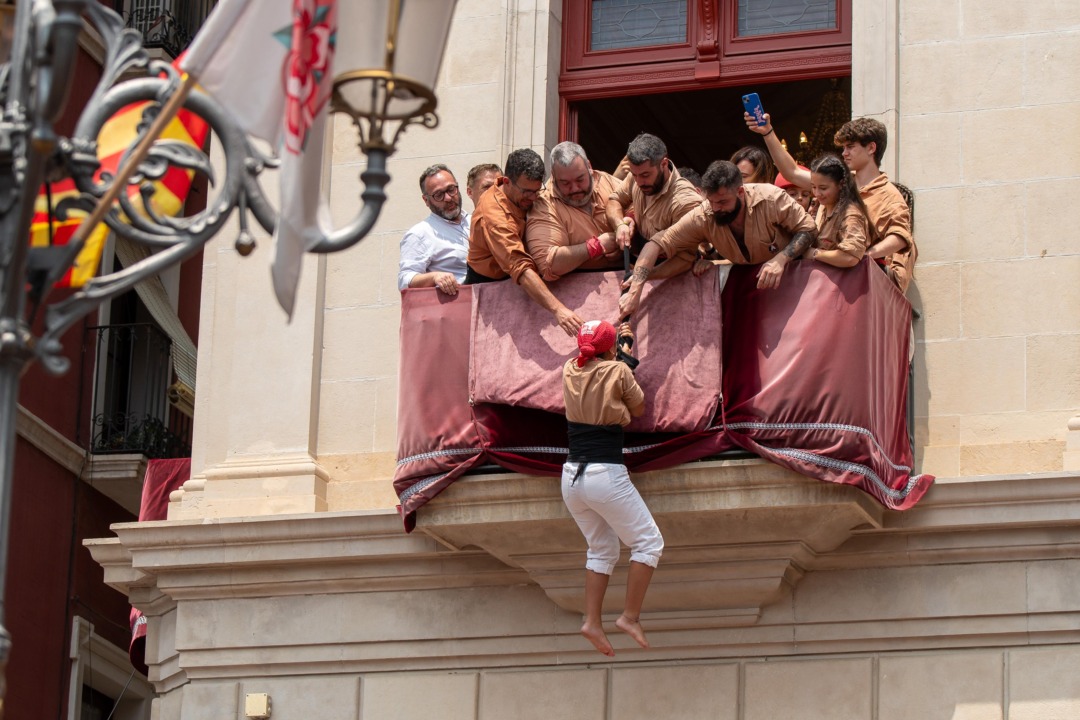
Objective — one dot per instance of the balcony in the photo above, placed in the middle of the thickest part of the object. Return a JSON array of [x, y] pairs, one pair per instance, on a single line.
[[132, 413], [168, 25]]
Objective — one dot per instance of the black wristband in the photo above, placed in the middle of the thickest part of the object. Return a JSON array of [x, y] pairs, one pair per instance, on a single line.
[[769, 133]]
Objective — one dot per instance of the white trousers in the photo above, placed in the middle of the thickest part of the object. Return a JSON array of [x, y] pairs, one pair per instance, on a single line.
[[607, 507]]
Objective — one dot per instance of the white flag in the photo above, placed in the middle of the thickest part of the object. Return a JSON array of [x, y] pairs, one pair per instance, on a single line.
[[270, 62]]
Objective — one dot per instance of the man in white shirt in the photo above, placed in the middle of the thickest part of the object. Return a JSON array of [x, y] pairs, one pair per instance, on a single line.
[[434, 250]]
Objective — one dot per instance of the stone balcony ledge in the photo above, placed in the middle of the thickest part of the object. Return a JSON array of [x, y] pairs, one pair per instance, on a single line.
[[739, 535], [753, 555]]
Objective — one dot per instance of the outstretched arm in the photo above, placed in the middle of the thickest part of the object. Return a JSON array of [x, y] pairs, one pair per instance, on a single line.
[[781, 157], [771, 272], [537, 289], [617, 218], [646, 261]]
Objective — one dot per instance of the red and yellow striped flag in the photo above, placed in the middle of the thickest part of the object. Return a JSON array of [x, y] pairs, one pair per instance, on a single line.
[[115, 137]]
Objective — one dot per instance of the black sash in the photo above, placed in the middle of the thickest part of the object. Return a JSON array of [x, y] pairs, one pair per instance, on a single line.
[[594, 443]]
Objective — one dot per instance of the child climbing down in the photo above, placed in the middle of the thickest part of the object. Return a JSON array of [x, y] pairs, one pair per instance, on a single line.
[[601, 396]]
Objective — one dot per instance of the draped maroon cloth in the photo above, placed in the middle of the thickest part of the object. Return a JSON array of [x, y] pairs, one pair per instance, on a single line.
[[162, 477], [814, 378], [679, 353]]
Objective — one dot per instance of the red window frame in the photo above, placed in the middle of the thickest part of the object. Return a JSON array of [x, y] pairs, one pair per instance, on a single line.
[[804, 40], [712, 56], [576, 34]]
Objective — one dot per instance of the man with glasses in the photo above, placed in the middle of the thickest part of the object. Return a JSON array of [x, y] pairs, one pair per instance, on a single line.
[[434, 250], [496, 238]]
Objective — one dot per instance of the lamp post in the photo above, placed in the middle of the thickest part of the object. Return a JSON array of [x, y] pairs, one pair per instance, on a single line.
[[388, 85]]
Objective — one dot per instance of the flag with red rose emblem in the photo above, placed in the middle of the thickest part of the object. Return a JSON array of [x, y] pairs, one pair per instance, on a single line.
[[270, 62]]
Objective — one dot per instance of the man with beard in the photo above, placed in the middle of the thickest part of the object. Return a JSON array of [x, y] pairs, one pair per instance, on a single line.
[[653, 197], [568, 227], [496, 246], [433, 251], [750, 224]]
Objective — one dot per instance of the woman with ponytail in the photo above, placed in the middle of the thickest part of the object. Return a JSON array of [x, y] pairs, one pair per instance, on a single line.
[[601, 395], [843, 229]]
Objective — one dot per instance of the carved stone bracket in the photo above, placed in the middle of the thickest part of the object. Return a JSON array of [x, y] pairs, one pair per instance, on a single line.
[[738, 535]]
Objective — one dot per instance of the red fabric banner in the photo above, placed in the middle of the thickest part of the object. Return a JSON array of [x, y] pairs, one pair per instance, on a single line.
[[814, 379], [162, 477], [679, 353]]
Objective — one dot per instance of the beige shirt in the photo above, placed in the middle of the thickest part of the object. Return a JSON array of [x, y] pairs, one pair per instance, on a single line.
[[848, 232], [889, 215], [553, 224], [772, 219], [653, 213], [496, 247], [601, 393]]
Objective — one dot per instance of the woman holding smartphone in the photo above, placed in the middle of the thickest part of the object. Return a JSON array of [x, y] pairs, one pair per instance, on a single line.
[[843, 229]]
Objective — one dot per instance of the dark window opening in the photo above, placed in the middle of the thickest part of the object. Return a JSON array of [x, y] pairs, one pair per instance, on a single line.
[[705, 125]]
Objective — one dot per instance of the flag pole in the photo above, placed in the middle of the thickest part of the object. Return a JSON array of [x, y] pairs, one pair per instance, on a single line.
[[127, 169]]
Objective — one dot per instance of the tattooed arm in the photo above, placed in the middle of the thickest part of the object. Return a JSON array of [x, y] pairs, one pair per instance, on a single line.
[[771, 272], [798, 244], [646, 261]]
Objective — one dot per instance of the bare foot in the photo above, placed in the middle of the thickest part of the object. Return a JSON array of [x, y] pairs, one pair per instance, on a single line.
[[633, 629], [595, 635]]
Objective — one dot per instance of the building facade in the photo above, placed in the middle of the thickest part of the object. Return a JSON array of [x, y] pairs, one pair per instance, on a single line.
[[83, 442], [283, 568]]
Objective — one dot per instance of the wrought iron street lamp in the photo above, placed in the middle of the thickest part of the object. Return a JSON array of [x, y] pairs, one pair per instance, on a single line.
[[389, 84]]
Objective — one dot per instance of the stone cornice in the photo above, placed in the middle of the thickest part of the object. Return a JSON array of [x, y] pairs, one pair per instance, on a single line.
[[118, 477], [46, 439], [290, 554], [743, 518], [725, 589]]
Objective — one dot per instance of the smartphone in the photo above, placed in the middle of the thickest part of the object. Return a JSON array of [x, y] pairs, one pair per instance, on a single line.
[[752, 104]]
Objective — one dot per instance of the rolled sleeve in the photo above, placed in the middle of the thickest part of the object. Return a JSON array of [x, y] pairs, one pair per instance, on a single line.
[[632, 395], [508, 251], [853, 233], [544, 235], [897, 219], [415, 257], [622, 192]]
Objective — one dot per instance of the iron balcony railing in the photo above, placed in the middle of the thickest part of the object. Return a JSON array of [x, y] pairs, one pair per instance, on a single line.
[[166, 24], [132, 375]]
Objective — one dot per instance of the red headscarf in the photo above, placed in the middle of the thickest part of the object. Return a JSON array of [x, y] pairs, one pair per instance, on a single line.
[[594, 338]]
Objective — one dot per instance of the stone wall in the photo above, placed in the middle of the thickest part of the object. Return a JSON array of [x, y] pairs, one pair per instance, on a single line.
[[497, 91], [989, 138], [965, 607]]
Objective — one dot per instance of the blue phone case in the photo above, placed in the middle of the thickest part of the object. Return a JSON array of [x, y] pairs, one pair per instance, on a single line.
[[752, 103]]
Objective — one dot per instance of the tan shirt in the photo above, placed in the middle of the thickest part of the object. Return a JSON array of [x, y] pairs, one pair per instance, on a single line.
[[496, 248], [601, 393], [772, 219], [654, 213], [552, 224], [848, 231], [889, 215]]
